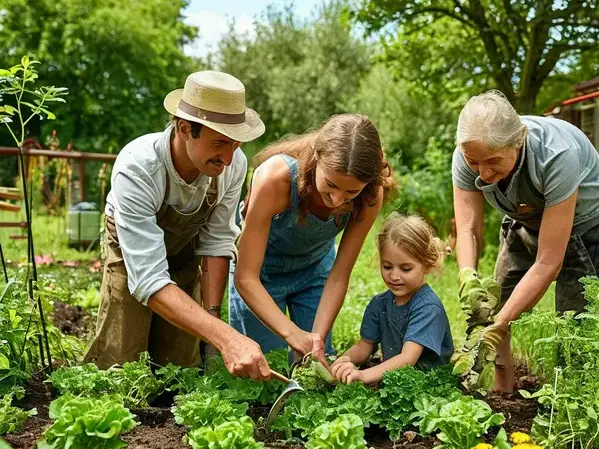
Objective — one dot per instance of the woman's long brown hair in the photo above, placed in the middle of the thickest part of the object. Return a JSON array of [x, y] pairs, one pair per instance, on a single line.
[[346, 143]]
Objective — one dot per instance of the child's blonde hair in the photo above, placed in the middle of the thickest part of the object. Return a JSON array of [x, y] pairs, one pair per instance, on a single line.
[[415, 236]]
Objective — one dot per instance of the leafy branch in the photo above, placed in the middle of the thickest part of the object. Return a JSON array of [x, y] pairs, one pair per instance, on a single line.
[[15, 81]]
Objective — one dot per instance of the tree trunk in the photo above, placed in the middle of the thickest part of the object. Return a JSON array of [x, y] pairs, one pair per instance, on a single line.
[[525, 105]]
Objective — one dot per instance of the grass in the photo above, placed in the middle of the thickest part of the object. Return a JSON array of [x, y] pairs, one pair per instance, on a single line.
[[49, 237]]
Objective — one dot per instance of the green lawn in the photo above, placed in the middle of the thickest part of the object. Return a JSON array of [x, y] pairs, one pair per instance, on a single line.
[[49, 238]]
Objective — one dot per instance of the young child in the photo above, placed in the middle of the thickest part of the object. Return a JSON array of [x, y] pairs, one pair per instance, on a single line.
[[408, 320]]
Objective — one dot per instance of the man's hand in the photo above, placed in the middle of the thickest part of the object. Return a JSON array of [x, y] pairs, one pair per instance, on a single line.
[[244, 358], [304, 342]]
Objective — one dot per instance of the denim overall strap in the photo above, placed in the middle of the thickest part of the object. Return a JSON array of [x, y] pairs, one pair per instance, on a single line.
[[294, 172]]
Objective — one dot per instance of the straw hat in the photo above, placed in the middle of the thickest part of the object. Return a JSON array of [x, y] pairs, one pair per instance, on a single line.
[[216, 100]]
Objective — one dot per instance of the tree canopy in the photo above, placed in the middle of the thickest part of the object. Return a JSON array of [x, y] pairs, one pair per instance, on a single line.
[[518, 44], [118, 60]]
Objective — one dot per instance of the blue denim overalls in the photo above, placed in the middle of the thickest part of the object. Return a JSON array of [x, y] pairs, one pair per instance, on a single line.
[[299, 257]]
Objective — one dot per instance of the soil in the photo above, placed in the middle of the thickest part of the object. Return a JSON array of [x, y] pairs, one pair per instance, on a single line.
[[159, 431], [72, 320]]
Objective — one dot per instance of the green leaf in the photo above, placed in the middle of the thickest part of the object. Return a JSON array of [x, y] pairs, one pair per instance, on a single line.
[[25, 61], [4, 362]]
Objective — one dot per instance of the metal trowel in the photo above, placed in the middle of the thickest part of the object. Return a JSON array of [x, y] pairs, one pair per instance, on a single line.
[[292, 387]]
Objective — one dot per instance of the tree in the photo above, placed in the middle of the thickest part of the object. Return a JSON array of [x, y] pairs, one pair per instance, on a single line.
[[405, 118], [522, 42], [118, 60], [297, 73]]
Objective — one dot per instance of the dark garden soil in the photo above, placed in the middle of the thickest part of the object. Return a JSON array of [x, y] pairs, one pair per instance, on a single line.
[[159, 431], [72, 320]]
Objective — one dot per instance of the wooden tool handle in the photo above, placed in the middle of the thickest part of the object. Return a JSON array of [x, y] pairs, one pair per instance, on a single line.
[[279, 376]]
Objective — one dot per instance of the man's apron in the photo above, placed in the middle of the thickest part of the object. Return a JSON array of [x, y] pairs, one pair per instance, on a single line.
[[125, 327]]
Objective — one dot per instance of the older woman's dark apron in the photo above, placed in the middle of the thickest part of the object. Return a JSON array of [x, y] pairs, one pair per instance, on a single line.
[[519, 243]]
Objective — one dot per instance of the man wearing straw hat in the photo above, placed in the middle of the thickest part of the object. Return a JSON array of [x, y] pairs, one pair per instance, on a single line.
[[171, 231]]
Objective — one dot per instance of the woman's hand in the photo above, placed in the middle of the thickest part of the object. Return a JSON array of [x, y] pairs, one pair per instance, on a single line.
[[303, 342]]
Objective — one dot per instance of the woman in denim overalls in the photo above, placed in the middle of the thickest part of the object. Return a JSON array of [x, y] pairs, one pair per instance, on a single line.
[[543, 174], [306, 191]]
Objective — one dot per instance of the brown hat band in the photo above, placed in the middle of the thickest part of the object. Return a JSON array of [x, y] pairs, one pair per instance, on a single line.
[[216, 117]]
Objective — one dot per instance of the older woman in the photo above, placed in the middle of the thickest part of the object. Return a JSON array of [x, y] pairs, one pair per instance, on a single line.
[[543, 174]]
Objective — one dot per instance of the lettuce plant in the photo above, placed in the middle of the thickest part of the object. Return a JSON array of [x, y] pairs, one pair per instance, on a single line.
[[235, 434], [12, 418], [356, 399], [402, 387], [461, 422], [344, 432], [81, 423], [200, 408], [134, 382]]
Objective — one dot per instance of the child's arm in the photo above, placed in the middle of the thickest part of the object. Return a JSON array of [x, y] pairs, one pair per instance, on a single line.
[[356, 355], [409, 356]]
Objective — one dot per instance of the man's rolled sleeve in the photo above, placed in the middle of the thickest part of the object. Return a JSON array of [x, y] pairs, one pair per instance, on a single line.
[[218, 236], [140, 237]]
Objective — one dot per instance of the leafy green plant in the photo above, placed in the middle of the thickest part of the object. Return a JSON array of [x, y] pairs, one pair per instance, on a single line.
[[82, 423], [344, 432], [237, 389], [402, 387], [12, 418], [569, 406], [235, 434], [461, 422], [16, 81], [480, 301], [21, 331], [134, 382], [175, 378], [313, 377], [355, 399], [86, 380], [304, 412], [201, 408]]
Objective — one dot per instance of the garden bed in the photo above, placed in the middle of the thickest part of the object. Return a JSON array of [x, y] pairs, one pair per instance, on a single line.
[[159, 431]]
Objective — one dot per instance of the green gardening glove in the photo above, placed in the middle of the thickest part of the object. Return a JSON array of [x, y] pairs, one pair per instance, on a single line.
[[479, 298], [490, 339]]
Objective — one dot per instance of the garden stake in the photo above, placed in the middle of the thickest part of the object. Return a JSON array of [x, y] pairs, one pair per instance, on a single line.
[[292, 387], [31, 259], [3, 264]]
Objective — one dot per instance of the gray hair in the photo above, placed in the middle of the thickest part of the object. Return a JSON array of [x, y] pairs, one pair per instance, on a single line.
[[489, 118]]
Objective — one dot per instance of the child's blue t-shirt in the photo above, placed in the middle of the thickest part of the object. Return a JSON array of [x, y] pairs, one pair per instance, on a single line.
[[421, 320]]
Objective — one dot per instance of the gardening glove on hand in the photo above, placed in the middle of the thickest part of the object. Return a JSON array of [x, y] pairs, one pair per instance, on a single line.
[[479, 298], [490, 339]]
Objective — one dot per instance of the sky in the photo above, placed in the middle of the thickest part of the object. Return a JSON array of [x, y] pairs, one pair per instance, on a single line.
[[212, 18]]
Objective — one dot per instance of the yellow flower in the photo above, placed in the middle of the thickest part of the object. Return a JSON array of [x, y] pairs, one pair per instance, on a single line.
[[519, 438], [483, 446], [526, 446]]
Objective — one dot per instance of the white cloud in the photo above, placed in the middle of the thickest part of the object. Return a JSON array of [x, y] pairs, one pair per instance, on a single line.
[[212, 26]]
